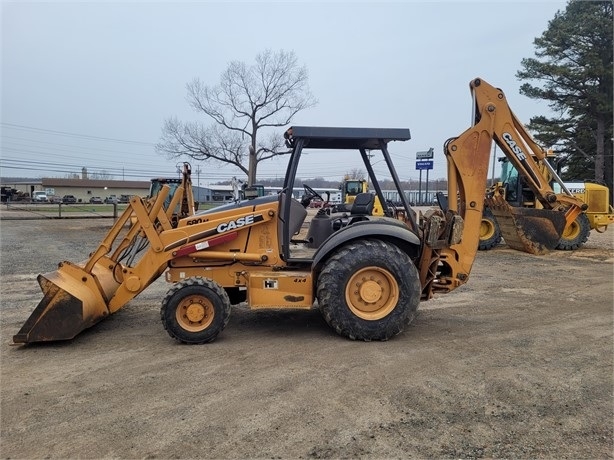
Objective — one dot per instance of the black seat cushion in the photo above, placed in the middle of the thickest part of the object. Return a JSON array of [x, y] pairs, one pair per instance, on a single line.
[[363, 204]]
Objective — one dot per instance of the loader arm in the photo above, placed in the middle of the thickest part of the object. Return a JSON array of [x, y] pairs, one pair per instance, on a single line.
[[134, 253], [468, 155]]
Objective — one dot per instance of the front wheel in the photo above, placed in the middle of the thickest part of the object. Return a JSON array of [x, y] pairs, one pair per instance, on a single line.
[[369, 290], [576, 234], [490, 233], [195, 310]]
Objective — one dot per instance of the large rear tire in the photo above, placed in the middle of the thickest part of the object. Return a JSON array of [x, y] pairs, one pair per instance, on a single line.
[[490, 233], [195, 310], [576, 234], [369, 290]]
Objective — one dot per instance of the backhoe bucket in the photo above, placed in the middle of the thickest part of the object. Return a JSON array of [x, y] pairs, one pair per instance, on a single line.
[[73, 301], [531, 230]]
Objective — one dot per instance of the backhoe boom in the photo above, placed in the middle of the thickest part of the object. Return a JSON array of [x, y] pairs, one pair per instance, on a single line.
[[532, 230]]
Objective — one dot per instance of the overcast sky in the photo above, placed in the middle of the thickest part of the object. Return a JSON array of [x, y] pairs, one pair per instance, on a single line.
[[89, 84]]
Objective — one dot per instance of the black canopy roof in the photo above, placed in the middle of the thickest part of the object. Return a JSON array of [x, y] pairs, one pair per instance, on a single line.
[[316, 137]]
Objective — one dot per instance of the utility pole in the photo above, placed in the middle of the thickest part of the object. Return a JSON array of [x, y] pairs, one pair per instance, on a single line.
[[198, 182], [419, 202], [426, 193]]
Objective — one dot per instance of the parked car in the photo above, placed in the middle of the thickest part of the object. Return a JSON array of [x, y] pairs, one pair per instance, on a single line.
[[96, 200], [316, 203], [111, 199], [69, 199], [40, 197], [54, 199], [124, 198]]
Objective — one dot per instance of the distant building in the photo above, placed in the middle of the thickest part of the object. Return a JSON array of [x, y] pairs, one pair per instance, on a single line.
[[84, 189]]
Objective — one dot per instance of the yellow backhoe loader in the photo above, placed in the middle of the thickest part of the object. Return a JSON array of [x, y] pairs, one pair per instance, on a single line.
[[350, 189], [368, 273], [597, 216]]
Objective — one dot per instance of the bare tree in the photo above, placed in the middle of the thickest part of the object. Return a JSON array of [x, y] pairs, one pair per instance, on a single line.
[[265, 95], [355, 173]]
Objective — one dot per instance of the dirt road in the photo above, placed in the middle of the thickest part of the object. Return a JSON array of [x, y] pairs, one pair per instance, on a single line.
[[518, 363]]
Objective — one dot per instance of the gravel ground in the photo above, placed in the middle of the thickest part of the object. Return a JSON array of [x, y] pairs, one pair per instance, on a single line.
[[517, 363]]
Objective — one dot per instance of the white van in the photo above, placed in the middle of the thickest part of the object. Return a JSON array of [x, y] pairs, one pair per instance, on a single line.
[[40, 197]]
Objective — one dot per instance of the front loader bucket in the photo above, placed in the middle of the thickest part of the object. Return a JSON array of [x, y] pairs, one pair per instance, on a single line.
[[73, 301], [531, 230]]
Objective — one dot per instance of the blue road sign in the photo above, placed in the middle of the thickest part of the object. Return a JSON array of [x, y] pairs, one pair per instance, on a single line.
[[425, 164]]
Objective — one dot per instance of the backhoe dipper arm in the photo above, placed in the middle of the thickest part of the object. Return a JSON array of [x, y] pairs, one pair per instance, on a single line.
[[519, 146], [468, 158]]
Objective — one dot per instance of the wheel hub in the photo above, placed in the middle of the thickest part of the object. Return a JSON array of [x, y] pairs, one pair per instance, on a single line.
[[370, 291], [195, 313], [486, 230], [572, 231]]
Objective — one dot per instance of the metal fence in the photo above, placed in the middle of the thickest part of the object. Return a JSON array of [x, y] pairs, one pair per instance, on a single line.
[[19, 210]]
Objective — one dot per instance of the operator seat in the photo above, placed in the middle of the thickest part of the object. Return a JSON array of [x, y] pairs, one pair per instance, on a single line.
[[361, 208], [363, 204]]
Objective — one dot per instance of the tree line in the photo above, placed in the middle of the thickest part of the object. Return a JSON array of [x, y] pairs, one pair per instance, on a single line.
[[320, 182]]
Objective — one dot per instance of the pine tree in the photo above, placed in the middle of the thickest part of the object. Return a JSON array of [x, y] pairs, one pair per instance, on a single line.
[[573, 67]]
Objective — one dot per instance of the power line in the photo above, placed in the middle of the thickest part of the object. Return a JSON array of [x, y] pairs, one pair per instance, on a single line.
[[47, 143], [81, 136], [69, 170], [75, 157]]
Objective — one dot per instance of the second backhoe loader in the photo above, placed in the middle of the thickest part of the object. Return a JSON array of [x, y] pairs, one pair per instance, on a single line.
[[367, 274], [598, 215]]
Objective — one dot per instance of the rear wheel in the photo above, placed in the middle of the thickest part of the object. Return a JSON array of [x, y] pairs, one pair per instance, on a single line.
[[369, 290], [195, 310], [576, 234], [490, 234]]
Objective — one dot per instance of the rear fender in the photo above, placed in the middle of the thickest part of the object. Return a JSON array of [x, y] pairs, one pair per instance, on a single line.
[[382, 228]]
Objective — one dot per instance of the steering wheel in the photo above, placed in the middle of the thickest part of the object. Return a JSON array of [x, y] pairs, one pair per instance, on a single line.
[[310, 194]]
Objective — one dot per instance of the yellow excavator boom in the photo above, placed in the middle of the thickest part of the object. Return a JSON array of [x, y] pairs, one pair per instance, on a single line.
[[531, 230]]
